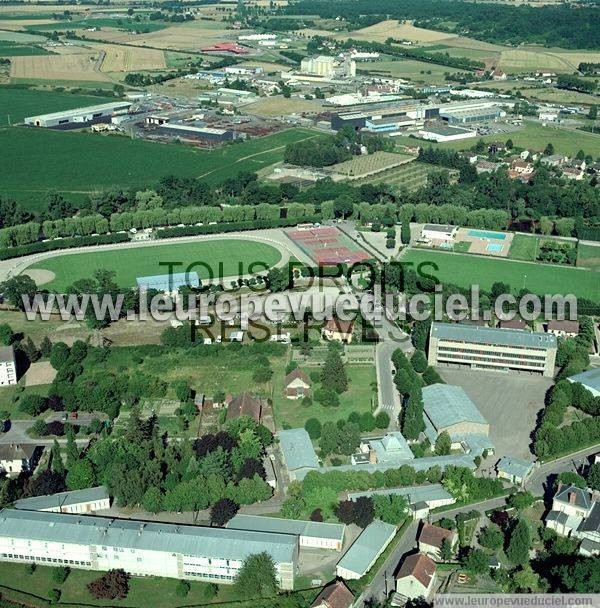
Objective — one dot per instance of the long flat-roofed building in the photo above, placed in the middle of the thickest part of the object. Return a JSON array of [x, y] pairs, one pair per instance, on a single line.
[[316, 534], [492, 348], [78, 117], [140, 548], [74, 501]]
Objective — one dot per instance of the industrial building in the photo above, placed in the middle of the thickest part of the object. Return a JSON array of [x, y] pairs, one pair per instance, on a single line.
[[297, 452], [185, 131], [448, 409], [361, 556], [169, 282], [443, 134], [8, 366], [589, 379], [319, 66], [74, 501], [402, 113], [471, 116], [491, 348], [140, 548], [226, 47], [79, 117], [312, 534]]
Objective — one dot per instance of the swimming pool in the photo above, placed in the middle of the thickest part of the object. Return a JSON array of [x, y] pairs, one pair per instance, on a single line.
[[487, 234], [494, 247]]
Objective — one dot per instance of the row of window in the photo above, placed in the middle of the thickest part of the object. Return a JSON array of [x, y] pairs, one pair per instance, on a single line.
[[448, 349], [53, 560], [503, 360], [211, 576]]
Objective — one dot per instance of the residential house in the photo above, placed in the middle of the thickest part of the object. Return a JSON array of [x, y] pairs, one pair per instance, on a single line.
[[338, 330], [244, 404], [486, 166], [554, 160], [514, 470], [498, 74], [416, 577], [334, 595], [431, 538], [563, 329], [18, 457], [297, 384], [573, 173], [513, 324]]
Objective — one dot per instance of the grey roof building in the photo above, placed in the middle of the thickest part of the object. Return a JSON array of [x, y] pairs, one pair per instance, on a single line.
[[141, 548], [74, 501], [298, 452], [590, 379], [311, 533], [434, 495], [361, 556], [169, 282], [516, 470], [492, 348], [391, 448]]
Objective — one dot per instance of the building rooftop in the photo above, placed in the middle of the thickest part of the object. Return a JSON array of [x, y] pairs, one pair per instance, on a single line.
[[296, 374], [171, 126], [589, 379], [366, 547], [198, 541], [492, 336], [414, 494], [592, 522], [62, 499], [445, 228], [418, 565], [434, 535], [297, 449], [391, 448], [515, 467], [17, 451], [570, 327], [7, 354], [84, 110], [244, 404], [335, 595], [574, 496], [446, 405], [297, 527]]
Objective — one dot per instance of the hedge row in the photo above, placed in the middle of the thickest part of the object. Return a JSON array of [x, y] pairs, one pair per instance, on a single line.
[[70, 243]]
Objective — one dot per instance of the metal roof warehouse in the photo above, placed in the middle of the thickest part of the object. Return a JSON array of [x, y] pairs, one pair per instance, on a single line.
[[492, 336]]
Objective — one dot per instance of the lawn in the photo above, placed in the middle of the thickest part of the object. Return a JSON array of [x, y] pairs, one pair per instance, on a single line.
[[532, 136], [121, 24], [9, 393], [74, 591], [465, 270], [357, 398], [588, 256], [43, 161], [20, 103], [129, 263], [524, 247]]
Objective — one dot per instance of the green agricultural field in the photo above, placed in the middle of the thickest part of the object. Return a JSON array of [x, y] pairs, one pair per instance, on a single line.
[[12, 49], [43, 161], [356, 399], [588, 256], [465, 270], [533, 136], [419, 71], [134, 262], [121, 24], [20, 103]]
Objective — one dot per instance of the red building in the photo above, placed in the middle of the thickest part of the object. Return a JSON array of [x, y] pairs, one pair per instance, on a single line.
[[226, 47]]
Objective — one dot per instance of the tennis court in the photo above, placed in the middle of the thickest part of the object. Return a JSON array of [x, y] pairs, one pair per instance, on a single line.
[[327, 245]]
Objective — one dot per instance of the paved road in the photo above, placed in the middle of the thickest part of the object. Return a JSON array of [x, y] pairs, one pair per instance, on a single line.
[[17, 434]]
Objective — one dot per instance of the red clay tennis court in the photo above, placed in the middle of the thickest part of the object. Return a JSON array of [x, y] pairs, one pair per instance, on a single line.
[[328, 245]]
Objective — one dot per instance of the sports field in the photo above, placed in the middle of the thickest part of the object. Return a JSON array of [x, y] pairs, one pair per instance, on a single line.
[[465, 270], [43, 161], [327, 245], [129, 263], [20, 103]]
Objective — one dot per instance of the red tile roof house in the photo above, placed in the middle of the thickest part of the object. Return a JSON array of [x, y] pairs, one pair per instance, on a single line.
[[431, 539], [297, 384], [334, 595], [244, 404], [336, 329], [416, 577]]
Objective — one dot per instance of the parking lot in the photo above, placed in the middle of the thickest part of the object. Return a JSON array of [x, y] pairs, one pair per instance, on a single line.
[[509, 401]]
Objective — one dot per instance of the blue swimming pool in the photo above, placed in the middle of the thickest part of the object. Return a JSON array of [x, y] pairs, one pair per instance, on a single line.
[[486, 234], [494, 247]]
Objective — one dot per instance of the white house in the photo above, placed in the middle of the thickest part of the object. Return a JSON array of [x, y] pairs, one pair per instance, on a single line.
[[431, 539], [17, 457], [297, 384], [439, 232], [8, 366], [416, 577]]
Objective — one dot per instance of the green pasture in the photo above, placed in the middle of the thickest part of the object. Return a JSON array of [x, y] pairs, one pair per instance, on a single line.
[[226, 257]]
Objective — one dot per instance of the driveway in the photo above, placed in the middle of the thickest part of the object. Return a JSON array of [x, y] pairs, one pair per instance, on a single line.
[[510, 402]]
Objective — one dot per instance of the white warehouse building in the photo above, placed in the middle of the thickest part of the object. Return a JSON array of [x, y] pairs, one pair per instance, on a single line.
[[74, 501], [140, 548], [78, 116]]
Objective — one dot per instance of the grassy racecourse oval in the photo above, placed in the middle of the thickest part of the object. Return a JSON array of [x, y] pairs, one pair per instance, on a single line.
[[235, 255]]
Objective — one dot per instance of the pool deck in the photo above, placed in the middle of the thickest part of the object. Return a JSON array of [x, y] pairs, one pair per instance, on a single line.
[[480, 244]]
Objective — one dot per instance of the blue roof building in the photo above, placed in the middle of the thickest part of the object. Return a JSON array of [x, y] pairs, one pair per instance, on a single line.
[[298, 452], [169, 282], [589, 379]]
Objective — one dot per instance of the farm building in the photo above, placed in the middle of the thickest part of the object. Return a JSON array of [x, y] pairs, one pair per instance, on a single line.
[[492, 348], [226, 47], [589, 379], [169, 282], [298, 453], [140, 548], [361, 556], [315, 534], [515, 470], [443, 134], [448, 409], [416, 577], [431, 538], [74, 501], [421, 499], [79, 117]]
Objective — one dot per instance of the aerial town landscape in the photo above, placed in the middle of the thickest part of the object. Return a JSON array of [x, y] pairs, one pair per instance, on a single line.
[[299, 302]]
